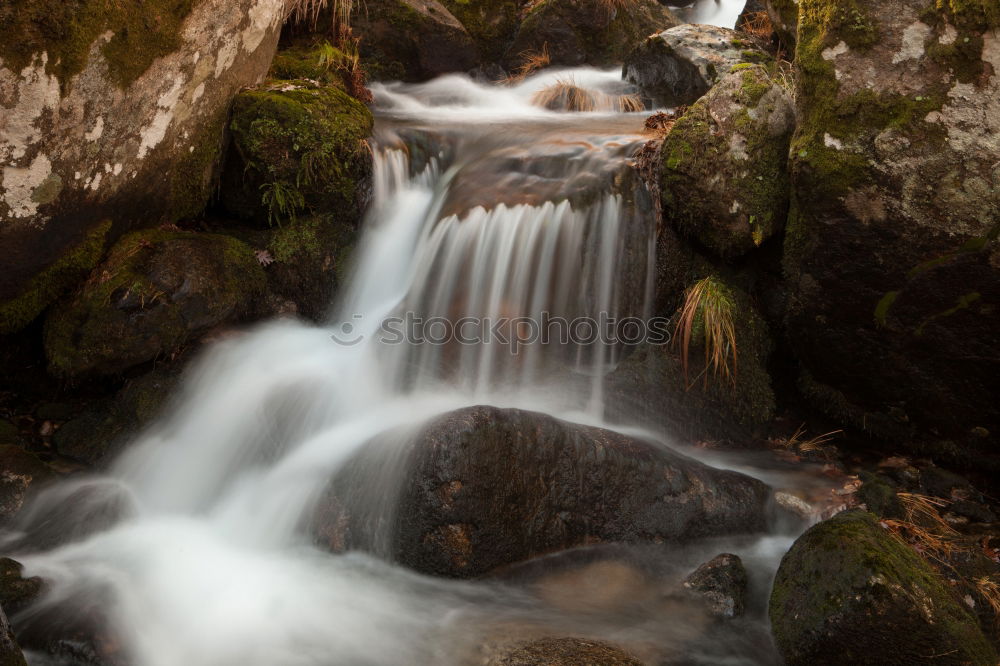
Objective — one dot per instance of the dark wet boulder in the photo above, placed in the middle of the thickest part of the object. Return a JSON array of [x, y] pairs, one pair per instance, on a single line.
[[486, 487], [587, 32], [706, 402], [491, 23], [155, 291], [10, 653], [751, 10], [561, 652], [117, 111], [20, 471], [412, 40], [724, 179], [848, 592], [297, 148], [721, 583], [891, 251], [679, 65], [16, 591]]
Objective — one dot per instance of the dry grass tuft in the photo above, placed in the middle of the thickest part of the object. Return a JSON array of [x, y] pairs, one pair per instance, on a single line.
[[346, 61], [800, 442], [565, 95], [989, 590], [531, 62], [709, 312], [758, 24], [629, 104], [924, 529], [308, 12]]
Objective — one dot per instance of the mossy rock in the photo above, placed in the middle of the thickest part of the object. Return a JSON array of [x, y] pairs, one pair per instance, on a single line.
[[677, 66], [891, 241], [412, 40], [297, 147], [141, 33], [650, 385], [586, 32], [48, 284], [848, 592], [491, 23], [724, 181], [305, 60], [156, 291], [311, 261]]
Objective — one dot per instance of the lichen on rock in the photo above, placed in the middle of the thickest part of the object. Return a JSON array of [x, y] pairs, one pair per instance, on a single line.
[[724, 180]]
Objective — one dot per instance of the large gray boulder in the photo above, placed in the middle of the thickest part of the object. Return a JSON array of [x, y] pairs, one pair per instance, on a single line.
[[891, 249], [111, 110], [679, 65], [485, 487]]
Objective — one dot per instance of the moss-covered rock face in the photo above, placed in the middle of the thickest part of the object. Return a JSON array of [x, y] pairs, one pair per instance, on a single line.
[[586, 32], [311, 261], [891, 250], [155, 291], [847, 588], [650, 385], [412, 40], [22, 471], [112, 110], [679, 65], [491, 23], [297, 147], [723, 179]]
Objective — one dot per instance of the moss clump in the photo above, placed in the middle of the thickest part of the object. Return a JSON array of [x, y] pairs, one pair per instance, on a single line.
[[304, 142], [724, 180], [491, 23], [155, 291], [47, 285], [143, 31], [848, 588]]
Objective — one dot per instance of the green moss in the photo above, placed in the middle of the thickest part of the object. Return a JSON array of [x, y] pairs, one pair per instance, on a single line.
[[491, 23], [47, 285], [67, 30], [154, 290], [847, 585], [193, 178], [309, 140]]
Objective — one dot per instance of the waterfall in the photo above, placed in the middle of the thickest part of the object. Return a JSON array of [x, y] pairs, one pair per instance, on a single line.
[[487, 207]]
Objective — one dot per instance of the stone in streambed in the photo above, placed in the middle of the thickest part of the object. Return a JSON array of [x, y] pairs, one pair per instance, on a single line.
[[724, 181], [586, 32], [721, 584], [20, 471], [848, 592], [486, 487], [10, 653], [562, 652], [679, 65]]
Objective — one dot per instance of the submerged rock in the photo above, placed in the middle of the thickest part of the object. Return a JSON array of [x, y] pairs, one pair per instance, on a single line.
[[111, 110], [679, 65], [10, 653], [722, 584], [586, 32], [156, 291], [297, 148], [847, 592], [562, 652], [412, 39], [486, 487], [890, 251], [16, 591], [724, 180]]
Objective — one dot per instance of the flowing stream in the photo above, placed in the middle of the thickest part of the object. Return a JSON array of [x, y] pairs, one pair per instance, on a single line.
[[485, 205]]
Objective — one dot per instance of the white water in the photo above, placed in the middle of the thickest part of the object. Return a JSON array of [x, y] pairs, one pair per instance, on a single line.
[[209, 565]]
